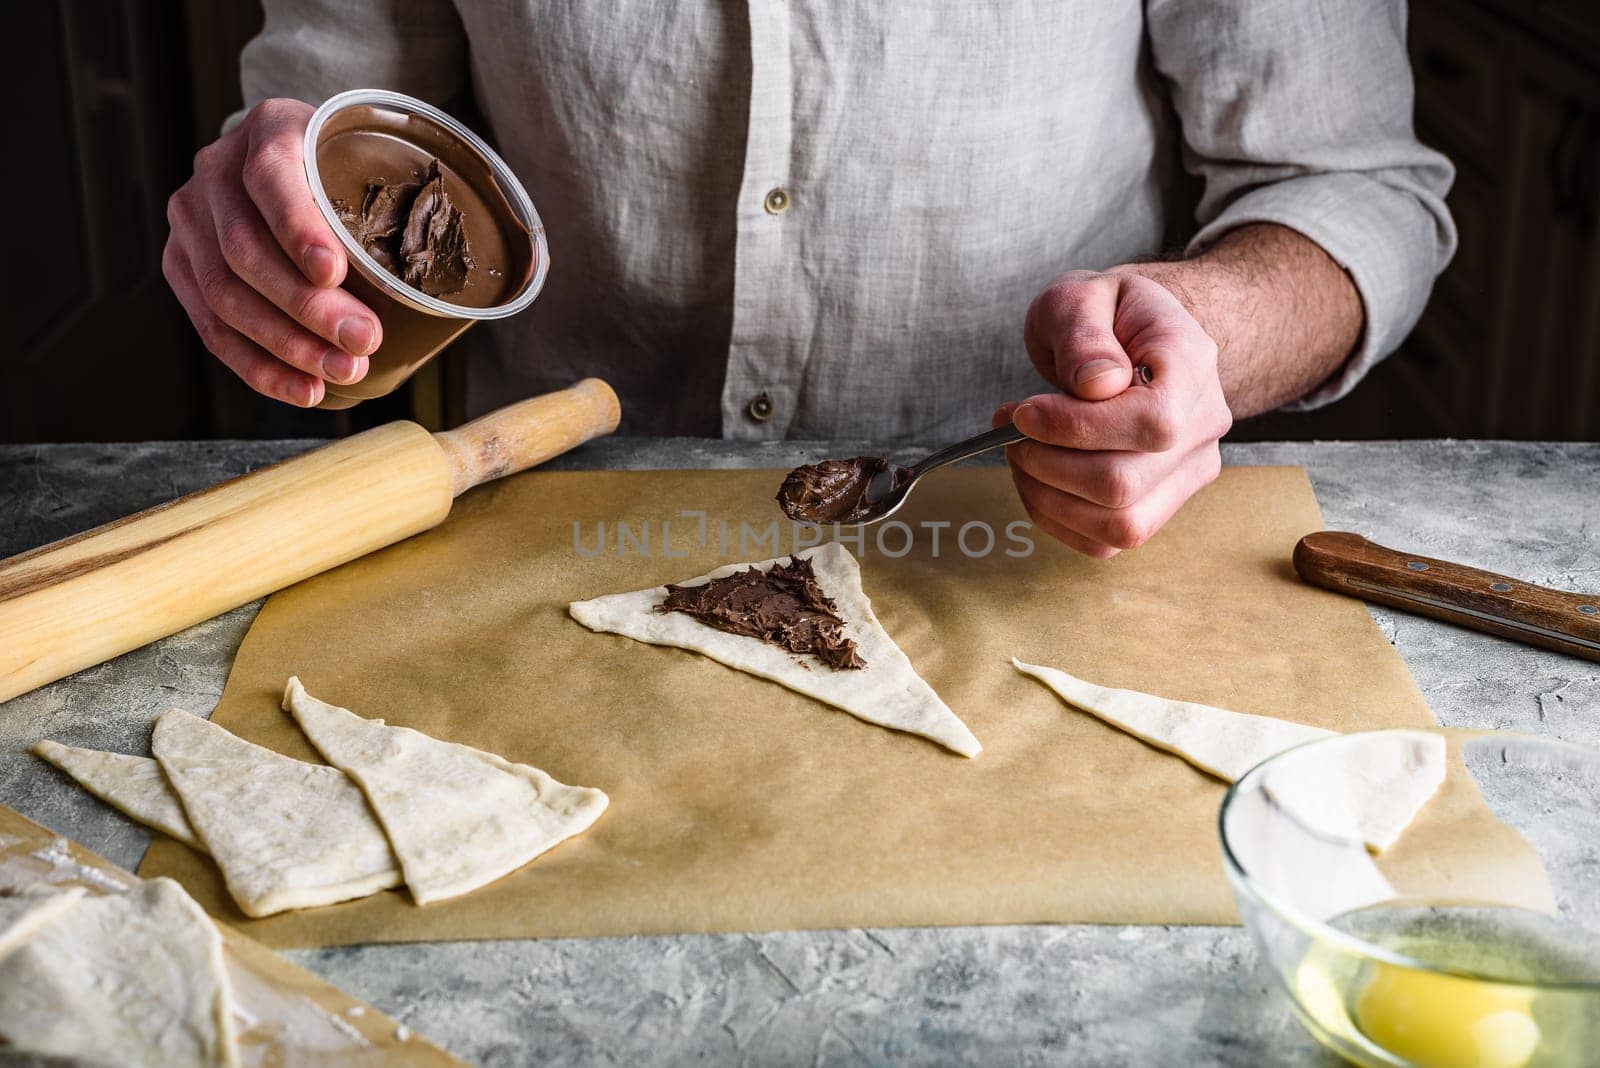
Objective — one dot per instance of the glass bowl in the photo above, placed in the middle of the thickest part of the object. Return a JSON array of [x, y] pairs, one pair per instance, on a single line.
[[1471, 941]]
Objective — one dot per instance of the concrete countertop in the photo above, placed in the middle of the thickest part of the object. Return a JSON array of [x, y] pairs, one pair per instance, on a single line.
[[997, 995]]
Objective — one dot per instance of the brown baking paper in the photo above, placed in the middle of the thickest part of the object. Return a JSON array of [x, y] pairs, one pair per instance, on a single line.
[[737, 805], [289, 1016]]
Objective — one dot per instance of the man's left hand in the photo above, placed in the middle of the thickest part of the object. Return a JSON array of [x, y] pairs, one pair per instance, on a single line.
[[1133, 433]]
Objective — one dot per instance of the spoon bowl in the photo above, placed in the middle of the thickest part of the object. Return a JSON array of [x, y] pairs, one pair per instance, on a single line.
[[889, 488]]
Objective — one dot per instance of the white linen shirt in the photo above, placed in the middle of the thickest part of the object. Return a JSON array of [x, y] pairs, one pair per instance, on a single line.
[[827, 219]]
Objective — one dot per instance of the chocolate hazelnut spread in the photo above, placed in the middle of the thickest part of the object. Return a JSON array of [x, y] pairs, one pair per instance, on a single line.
[[414, 231], [782, 606], [833, 491], [424, 205]]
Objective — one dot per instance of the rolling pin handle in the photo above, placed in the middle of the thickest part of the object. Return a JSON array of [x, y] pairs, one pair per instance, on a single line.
[[522, 435]]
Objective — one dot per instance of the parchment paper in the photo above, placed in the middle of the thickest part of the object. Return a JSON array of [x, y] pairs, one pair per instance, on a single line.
[[737, 805], [289, 1016]]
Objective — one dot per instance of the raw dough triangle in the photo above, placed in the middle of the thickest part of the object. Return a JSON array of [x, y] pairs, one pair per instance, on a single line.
[[888, 691], [286, 834], [1226, 744], [134, 785], [458, 817], [1371, 793], [135, 978], [22, 915]]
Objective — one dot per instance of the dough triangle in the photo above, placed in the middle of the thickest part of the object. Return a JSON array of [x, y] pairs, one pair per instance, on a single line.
[[135, 978], [458, 817], [134, 785], [887, 692], [1226, 744], [22, 915], [286, 834], [1371, 793]]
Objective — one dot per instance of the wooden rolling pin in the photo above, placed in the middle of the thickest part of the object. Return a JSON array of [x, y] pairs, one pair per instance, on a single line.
[[88, 598], [1552, 619]]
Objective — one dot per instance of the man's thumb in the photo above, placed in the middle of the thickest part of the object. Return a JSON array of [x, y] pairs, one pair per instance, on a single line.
[[1092, 365]]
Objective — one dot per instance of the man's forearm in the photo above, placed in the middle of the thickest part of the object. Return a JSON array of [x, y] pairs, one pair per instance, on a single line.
[[1284, 315]]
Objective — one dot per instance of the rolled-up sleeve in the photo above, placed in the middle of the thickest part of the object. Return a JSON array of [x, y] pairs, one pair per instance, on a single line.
[[1298, 112], [311, 49]]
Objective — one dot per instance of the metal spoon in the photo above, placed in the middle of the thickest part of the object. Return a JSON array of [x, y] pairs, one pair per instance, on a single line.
[[890, 487]]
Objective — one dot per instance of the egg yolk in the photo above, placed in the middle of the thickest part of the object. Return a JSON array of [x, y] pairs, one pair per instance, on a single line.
[[1443, 1021]]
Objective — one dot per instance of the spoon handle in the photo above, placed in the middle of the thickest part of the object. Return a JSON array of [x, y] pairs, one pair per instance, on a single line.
[[993, 439]]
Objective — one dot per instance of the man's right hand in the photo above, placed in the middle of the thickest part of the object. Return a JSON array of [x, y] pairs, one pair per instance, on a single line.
[[258, 268]]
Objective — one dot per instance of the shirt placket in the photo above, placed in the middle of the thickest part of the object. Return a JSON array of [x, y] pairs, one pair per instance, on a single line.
[[761, 387]]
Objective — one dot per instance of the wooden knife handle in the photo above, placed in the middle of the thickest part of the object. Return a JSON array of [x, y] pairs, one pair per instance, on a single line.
[[1552, 619], [520, 435]]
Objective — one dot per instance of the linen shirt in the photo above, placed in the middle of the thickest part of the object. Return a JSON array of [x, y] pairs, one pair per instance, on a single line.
[[827, 219]]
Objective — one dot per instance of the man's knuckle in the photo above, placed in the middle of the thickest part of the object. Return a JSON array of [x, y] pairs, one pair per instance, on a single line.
[[257, 165], [219, 289], [1126, 529], [1062, 426], [260, 376], [205, 160], [1076, 280], [1030, 504], [266, 161], [1060, 300], [1089, 337], [306, 306], [272, 111], [1160, 427], [239, 243], [298, 350], [1120, 484], [1153, 436], [212, 335], [1223, 421], [261, 171]]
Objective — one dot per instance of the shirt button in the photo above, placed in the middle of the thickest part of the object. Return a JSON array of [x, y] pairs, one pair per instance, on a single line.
[[777, 202], [760, 408]]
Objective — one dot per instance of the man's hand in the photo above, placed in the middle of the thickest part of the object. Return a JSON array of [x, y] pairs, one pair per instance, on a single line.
[[256, 266], [1133, 433]]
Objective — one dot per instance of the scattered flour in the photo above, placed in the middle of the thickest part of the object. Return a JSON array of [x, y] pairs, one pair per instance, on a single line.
[[290, 1019], [344, 1027], [58, 855]]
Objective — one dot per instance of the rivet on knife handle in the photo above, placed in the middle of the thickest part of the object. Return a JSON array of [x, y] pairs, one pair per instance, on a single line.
[[1496, 604]]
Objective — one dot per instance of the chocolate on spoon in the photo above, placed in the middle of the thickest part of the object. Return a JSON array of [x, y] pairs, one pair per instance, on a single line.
[[868, 488]]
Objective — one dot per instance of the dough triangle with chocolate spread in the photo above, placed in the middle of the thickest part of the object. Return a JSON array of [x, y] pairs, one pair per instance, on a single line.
[[833, 649]]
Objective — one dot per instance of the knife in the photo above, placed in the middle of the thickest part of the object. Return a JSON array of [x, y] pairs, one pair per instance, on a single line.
[[1552, 619]]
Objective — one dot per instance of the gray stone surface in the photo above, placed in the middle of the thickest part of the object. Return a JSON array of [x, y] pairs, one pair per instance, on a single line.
[[1001, 995]]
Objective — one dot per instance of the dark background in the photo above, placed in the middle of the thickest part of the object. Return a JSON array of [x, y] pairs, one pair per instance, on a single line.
[[116, 95]]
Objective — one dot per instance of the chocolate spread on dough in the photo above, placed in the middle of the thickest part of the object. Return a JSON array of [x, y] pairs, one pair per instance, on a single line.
[[414, 231], [833, 491], [783, 606]]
